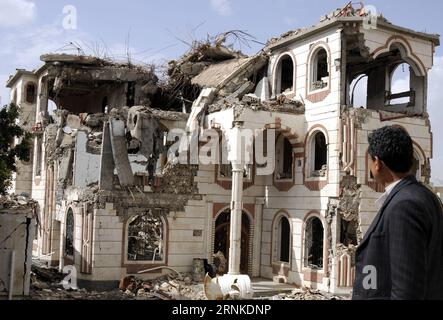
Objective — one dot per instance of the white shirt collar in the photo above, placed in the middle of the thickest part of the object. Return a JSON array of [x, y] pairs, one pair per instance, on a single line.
[[380, 201]]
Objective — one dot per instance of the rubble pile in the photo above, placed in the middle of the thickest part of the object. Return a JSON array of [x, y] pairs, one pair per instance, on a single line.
[[46, 284], [169, 287], [17, 203], [307, 294], [253, 102]]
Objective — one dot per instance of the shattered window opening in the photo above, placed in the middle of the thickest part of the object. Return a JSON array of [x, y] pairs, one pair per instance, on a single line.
[[285, 240], [31, 93], [314, 234], [225, 167], [359, 91], [146, 238], [400, 83], [39, 156], [348, 232], [286, 75], [319, 154], [69, 239], [320, 72], [285, 158], [105, 107]]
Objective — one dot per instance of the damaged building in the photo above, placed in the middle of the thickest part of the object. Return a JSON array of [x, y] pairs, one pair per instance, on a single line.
[[115, 202]]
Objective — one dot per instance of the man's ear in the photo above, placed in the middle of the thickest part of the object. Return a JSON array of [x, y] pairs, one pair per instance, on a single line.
[[378, 164]]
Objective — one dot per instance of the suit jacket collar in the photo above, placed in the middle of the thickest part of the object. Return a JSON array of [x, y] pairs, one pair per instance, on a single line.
[[405, 182]]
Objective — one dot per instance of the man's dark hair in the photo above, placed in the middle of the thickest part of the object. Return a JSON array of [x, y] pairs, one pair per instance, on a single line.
[[394, 147]]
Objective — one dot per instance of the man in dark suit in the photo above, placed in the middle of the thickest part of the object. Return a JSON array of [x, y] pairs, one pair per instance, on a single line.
[[401, 255]]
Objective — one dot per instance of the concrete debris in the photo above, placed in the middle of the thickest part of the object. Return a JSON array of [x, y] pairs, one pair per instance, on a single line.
[[251, 101], [220, 263], [120, 152], [17, 203], [46, 284], [145, 128], [178, 179], [307, 294], [169, 287]]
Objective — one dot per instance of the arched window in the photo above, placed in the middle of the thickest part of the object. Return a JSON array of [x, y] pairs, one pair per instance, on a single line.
[[31, 92], [359, 91], [416, 166], [314, 236], [285, 75], [69, 236], [284, 240], [400, 84], [284, 152], [146, 238], [225, 167], [319, 70], [38, 156], [319, 155]]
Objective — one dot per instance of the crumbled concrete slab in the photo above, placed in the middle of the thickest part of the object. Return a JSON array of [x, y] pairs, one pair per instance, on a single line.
[[120, 152]]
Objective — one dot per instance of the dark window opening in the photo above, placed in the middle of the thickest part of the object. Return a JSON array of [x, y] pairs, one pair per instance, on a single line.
[[225, 167], [287, 75], [314, 244], [130, 95], [320, 155], [69, 239], [105, 107], [348, 234], [146, 238], [31, 93], [285, 239], [39, 156], [320, 72], [287, 160]]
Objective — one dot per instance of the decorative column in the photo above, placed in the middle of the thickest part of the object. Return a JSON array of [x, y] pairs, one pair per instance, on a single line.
[[240, 154], [236, 218], [256, 257]]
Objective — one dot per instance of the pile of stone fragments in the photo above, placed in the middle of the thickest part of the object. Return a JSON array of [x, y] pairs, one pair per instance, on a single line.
[[46, 284], [307, 294], [170, 287]]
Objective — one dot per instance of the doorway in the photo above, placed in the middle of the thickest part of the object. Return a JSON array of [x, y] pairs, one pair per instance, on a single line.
[[222, 237], [68, 254]]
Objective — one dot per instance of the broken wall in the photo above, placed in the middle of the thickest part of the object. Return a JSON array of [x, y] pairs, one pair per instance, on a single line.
[[17, 231]]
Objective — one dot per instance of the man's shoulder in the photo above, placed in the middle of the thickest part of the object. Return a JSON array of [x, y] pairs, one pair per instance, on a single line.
[[416, 197]]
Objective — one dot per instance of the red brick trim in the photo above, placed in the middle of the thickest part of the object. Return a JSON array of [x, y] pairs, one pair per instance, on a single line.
[[313, 276], [219, 208], [226, 183]]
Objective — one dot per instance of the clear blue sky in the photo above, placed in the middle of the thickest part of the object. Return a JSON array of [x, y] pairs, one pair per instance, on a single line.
[[29, 28]]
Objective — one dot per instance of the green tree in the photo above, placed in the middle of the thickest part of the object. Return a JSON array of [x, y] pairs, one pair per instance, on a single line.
[[10, 151]]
